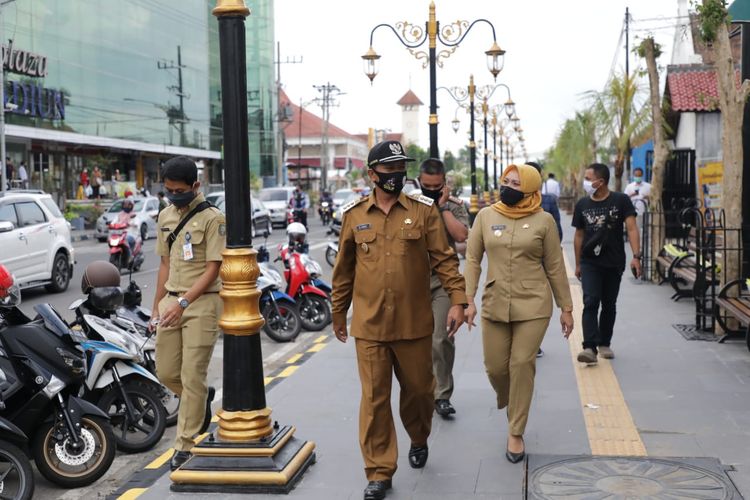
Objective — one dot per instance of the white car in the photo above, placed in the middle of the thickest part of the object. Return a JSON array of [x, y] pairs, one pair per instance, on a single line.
[[35, 240], [340, 196], [146, 212], [276, 200]]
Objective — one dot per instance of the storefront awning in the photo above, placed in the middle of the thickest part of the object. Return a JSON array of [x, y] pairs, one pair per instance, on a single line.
[[41, 134]]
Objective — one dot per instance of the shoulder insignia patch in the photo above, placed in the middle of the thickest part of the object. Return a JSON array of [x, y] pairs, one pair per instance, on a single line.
[[352, 204], [457, 201], [417, 196]]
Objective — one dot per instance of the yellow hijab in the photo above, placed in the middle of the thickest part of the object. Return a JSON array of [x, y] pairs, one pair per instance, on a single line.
[[531, 183]]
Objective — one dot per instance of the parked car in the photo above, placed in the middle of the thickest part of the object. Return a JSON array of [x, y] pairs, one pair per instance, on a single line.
[[261, 216], [215, 198], [146, 212], [276, 200], [35, 242], [338, 213]]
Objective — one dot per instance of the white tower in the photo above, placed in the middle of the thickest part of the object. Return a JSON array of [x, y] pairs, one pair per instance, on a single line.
[[410, 104]]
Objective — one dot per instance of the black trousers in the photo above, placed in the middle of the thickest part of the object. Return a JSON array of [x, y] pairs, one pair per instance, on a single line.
[[601, 285]]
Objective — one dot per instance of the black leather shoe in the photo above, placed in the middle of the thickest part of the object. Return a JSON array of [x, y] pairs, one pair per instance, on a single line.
[[417, 456], [179, 458], [207, 418], [376, 489], [443, 407]]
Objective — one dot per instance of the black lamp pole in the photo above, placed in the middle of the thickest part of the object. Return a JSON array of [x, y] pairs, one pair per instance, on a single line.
[[494, 149], [474, 205], [249, 452], [487, 186]]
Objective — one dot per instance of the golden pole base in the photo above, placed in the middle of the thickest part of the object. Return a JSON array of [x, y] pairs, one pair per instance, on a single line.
[[486, 198], [474, 204], [239, 272], [244, 425]]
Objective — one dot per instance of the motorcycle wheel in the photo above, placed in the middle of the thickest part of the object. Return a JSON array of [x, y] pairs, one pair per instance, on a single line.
[[331, 256], [146, 428], [315, 312], [171, 403], [18, 478], [114, 259], [70, 468], [284, 327]]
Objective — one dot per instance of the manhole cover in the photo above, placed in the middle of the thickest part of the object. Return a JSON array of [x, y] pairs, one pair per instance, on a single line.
[[626, 478]]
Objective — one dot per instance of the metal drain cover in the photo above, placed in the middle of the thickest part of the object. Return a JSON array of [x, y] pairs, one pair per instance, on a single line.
[[627, 478]]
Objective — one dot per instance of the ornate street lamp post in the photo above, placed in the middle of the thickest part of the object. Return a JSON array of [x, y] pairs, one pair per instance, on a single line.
[[249, 453], [413, 36]]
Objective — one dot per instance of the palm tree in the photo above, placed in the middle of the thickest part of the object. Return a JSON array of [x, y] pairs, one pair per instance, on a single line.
[[574, 149], [620, 113]]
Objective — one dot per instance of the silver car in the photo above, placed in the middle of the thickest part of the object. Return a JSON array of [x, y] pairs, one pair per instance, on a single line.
[[146, 212], [276, 201]]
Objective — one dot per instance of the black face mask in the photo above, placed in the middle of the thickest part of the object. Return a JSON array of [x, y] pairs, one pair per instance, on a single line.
[[435, 194], [392, 182], [181, 200], [510, 196]]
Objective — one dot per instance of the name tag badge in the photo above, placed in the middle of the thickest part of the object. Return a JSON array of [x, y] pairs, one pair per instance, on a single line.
[[498, 229], [187, 251], [362, 227]]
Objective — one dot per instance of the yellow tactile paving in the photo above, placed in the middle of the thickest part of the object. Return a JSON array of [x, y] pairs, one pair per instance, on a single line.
[[132, 494], [316, 347], [321, 338], [288, 371], [610, 427], [294, 359], [161, 460]]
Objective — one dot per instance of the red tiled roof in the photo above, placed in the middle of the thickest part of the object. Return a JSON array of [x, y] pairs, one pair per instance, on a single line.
[[409, 99], [312, 125], [693, 87]]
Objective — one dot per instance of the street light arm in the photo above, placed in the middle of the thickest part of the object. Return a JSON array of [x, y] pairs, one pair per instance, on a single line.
[[459, 94], [444, 35], [420, 35]]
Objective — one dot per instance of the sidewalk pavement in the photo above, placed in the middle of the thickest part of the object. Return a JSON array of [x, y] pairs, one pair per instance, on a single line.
[[82, 235], [686, 398]]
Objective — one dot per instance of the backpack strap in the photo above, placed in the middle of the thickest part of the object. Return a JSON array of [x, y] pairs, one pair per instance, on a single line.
[[173, 235]]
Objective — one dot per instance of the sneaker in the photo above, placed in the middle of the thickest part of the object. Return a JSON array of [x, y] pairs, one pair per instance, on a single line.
[[539, 353], [587, 356], [443, 407], [606, 352]]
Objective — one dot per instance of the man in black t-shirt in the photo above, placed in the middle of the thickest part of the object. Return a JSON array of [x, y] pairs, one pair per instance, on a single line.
[[600, 257]]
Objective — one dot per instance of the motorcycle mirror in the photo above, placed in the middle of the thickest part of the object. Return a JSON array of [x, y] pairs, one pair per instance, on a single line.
[[265, 234], [76, 304]]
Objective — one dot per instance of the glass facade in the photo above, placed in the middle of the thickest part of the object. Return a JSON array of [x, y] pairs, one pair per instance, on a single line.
[[135, 70]]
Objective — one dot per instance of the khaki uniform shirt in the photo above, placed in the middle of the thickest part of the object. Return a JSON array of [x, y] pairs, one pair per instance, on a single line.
[[206, 232], [525, 260], [457, 208], [384, 265]]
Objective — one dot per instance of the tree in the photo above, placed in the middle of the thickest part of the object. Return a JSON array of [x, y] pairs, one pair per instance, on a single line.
[[713, 25], [575, 148], [650, 51], [619, 114], [419, 154]]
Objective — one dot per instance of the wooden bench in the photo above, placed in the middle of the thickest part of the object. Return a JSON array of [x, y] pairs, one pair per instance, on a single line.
[[737, 307], [678, 265]]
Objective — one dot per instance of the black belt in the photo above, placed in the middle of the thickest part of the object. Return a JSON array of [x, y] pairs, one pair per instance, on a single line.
[[178, 294]]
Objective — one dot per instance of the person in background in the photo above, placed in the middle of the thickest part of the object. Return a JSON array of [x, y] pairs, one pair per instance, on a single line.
[[455, 218], [9, 171], [599, 246], [162, 201], [85, 178], [23, 175], [299, 205], [125, 217], [639, 191], [525, 262], [96, 182]]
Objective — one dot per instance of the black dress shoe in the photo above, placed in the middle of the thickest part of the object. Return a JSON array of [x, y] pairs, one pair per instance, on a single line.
[[376, 489], [179, 458], [207, 418], [443, 407], [417, 456]]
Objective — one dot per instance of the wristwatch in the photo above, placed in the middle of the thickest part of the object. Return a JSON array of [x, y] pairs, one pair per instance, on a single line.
[[444, 208], [638, 255], [183, 302]]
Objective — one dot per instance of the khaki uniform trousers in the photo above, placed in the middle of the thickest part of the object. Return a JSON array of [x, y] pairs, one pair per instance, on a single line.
[[410, 360], [182, 356], [510, 361], [443, 347]]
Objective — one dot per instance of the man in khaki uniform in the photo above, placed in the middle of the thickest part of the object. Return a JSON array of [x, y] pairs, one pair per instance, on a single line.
[[388, 245], [456, 221], [187, 305]]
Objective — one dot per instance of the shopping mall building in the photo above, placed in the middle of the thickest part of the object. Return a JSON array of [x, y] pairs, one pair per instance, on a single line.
[[125, 85]]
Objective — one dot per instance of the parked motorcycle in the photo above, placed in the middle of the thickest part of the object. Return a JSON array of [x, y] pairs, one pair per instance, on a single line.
[[134, 318], [17, 478], [300, 271], [72, 440], [279, 310], [116, 381], [120, 254]]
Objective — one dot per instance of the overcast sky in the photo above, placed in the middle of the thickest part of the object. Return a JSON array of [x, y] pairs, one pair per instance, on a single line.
[[556, 50]]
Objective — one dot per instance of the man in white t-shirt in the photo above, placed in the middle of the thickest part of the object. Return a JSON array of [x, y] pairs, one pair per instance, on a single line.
[[639, 191], [23, 176], [551, 186]]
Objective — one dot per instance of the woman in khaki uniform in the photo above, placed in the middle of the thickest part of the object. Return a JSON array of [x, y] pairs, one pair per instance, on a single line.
[[525, 261]]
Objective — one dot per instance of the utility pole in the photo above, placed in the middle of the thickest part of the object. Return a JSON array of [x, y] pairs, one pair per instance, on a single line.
[[178, 90], [627, 79], [326, 101], [3, 175], [282, 117]]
